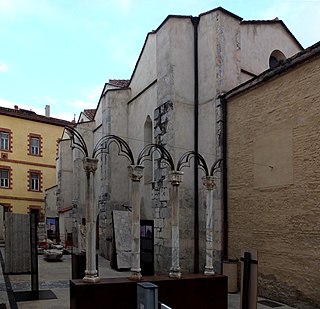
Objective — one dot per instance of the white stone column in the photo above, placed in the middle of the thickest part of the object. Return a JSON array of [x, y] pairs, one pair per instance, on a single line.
[[208, 183], [91, 274], [175, 177], [135, 174]]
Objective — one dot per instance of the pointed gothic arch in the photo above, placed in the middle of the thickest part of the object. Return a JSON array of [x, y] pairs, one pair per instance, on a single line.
[[148, 139]]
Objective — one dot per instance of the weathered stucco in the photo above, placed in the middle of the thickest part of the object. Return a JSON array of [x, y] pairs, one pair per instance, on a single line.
[[258, 41], [167, 62], [162, 91], [51, 201], [146, 70]]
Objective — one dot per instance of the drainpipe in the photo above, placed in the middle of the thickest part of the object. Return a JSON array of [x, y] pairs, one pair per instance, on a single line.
[[224, 178], [195, 22]]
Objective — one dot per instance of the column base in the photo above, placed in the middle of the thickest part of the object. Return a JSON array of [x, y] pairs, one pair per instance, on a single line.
[[91, 279], [135, 274], [175, 272], [91, 276], [208, 271]]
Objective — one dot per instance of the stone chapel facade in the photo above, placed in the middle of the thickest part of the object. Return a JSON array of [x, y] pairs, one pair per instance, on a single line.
[[170, 99]]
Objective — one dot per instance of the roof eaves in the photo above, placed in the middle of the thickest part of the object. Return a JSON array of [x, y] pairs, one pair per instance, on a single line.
[[65, 209], [120, 83], [33, 117], [90, 113], [54, 186]]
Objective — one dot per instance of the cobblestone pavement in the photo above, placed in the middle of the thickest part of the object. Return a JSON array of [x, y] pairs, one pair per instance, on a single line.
[[43, 285], [55, 276], [234, 303]]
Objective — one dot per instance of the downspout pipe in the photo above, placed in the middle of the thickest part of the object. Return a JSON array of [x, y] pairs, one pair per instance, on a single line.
[[195, 22], [224, 110]]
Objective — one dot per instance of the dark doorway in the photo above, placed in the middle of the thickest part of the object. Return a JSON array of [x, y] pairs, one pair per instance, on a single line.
[[6, 208], [147, 247], [97, 234], [36, 213]]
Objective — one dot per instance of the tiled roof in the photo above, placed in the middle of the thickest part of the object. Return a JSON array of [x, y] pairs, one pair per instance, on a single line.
[[65, 209], [122, 83], [30, 115], [90, 113]]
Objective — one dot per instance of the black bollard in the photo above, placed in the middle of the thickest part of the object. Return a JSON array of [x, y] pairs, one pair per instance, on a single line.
[[246, 280], [34, 257]]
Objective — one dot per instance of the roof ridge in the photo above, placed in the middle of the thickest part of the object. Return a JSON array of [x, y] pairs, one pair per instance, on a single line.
[[31, 115]]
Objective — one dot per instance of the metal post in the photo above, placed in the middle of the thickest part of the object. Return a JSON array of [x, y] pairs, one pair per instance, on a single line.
[[135, 174], [208, 182], [246, 280], [147, 295], [34, 257], [91, 274], [175, 177]]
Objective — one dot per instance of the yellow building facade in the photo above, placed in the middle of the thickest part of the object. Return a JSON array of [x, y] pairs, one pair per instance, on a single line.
[[28, 151]]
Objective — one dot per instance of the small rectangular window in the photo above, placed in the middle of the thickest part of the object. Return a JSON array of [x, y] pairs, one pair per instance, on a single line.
[[4, 178], [35, 182], [4, 141], [35, 146]]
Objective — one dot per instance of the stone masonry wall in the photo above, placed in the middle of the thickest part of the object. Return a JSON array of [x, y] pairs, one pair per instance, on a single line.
[[163, 118], [274, 183]]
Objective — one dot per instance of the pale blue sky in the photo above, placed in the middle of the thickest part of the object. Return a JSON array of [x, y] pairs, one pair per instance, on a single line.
[[61, 52]]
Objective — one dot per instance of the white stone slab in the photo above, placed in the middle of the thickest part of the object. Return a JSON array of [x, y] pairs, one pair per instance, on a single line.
[[122, 237]]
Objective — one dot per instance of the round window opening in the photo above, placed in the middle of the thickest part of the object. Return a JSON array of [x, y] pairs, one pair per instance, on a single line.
[[276, 58]]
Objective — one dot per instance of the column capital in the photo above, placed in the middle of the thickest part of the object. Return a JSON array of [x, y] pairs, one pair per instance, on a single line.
[[90, 164], [135, 172], [208, 182], [175, 272], [175, 177]]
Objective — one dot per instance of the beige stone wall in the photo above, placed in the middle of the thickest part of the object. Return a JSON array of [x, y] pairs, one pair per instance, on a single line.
[[274, 183]]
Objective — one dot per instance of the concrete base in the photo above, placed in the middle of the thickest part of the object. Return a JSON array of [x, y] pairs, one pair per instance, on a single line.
[[91, 279], [175, 274], [78, 264], [191, 291], [135, 275], [209, 271]]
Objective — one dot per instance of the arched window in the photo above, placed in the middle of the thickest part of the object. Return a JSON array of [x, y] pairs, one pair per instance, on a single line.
[[148, 165], [276, 58]]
